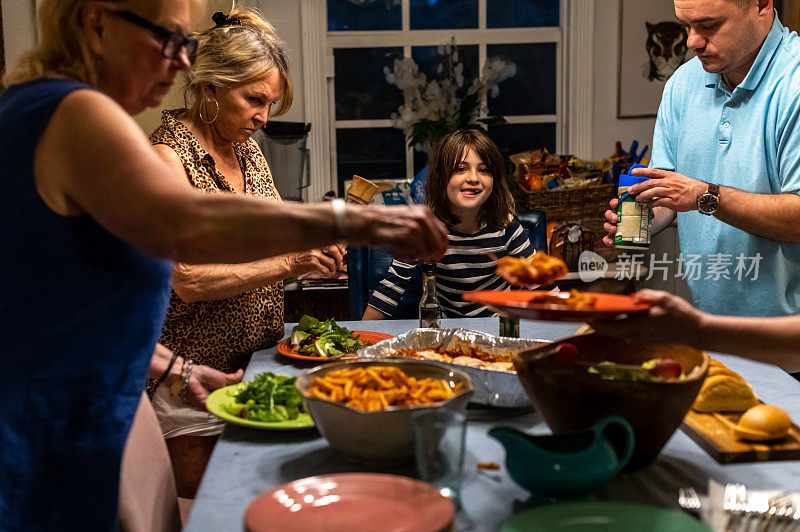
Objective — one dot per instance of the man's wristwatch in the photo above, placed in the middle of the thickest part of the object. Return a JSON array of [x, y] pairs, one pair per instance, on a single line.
[[708, 202]]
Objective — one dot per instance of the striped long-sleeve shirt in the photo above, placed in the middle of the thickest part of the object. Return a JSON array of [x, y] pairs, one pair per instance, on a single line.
[[464, 267]]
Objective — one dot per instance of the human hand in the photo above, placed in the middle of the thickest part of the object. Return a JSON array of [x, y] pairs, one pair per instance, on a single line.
[[414, 233], [671, 319], [205, 380], [327, 261], [611, 223], [667, 189]]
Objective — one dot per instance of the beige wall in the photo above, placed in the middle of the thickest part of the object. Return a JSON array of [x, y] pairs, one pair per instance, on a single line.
[[19, 28], [607, 127]]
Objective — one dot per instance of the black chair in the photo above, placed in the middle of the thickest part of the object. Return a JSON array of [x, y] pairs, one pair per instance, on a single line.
[[366, 267], [535, 221]]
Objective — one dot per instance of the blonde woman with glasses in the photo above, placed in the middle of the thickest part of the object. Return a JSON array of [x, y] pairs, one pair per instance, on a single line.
[[91, 219]]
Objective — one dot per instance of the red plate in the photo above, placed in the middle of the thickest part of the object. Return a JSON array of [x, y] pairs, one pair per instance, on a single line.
[[285, 348], [524, 304], [351, 501]]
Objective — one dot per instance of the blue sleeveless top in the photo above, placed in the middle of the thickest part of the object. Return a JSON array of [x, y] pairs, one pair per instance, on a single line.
[[80, 313]]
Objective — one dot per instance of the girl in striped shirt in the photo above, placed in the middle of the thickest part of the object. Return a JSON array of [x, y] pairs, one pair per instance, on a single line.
[[468, 190]]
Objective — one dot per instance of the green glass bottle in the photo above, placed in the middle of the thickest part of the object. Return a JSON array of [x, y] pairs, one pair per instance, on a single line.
[[430, 312]]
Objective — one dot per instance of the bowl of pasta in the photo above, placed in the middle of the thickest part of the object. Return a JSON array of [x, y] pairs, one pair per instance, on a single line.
[[364, 407]]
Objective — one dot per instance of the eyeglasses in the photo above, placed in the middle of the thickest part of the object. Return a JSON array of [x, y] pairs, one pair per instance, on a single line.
[[172, 41]]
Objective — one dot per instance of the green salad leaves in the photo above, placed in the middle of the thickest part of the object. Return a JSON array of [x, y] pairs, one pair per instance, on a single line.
[[312, 337], [268, 397]]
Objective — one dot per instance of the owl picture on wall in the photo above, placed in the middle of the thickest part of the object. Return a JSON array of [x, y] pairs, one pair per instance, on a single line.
[[653, 44], [666, 50]]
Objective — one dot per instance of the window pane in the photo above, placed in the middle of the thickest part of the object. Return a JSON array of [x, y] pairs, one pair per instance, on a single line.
[[514, 138], [532, 91], [372, 153], [521, 13], [362, 92], [443, 14], [344, 15], [430, 62]]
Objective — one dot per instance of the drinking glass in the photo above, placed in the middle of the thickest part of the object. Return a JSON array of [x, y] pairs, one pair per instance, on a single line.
[[439, 450]]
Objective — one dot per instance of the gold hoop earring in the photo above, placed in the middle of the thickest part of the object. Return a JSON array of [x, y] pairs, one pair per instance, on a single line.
[[208, 100]]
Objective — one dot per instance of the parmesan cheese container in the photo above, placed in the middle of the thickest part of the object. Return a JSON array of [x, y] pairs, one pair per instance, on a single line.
[[633, 226]]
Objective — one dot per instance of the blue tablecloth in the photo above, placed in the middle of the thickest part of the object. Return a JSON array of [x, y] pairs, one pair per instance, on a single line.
[[249, 462]]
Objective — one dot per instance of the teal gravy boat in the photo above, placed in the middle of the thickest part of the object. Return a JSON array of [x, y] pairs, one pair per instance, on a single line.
[[568, 464]]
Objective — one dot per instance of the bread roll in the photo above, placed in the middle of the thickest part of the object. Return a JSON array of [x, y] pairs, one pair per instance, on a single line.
[[724, 393], [763, 422]]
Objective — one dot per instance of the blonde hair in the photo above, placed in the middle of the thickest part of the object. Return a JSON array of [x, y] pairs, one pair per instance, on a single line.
[[62, 48], [244, 50]]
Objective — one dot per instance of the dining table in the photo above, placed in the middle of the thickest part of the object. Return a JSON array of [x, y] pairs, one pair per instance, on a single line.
[[248, 462]]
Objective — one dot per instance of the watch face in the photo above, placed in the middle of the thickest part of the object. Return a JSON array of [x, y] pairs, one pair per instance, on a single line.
[[708, 203]]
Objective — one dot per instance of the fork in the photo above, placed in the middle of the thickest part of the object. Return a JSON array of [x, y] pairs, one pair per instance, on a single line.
[[689, 501], [735, 504], [781, 511]]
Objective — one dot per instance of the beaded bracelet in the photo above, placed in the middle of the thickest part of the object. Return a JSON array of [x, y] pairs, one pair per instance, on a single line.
[[186, 374]]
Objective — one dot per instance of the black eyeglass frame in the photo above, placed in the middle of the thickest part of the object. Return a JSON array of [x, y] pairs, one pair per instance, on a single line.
[[172, 41]]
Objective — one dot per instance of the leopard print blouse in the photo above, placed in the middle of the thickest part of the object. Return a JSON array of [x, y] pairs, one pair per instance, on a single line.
[[222, 333]]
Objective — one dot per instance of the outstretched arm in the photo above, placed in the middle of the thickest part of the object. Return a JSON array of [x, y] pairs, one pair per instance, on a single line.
[[674, 320], [112, 173]]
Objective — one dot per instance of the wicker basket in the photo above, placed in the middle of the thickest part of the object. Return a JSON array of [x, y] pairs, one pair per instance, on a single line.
[[585, 206], [571, 203]]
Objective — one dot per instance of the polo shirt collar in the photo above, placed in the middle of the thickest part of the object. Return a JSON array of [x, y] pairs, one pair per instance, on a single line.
[[760, 65]]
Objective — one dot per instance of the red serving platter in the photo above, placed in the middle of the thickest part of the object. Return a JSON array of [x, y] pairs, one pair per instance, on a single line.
[[285, 348], [533, 305]]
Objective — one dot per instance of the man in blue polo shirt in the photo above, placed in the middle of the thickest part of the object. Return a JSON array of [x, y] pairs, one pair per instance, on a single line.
[[726, 158]]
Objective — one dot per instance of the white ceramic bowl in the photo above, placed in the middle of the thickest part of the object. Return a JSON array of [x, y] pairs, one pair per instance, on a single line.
[[382, 437]]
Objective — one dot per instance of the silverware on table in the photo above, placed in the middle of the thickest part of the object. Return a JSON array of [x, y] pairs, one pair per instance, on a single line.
[[781, 515], [689, 501], [750, 513], [735, 504]]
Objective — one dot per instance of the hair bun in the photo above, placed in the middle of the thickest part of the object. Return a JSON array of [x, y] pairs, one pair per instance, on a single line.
[[221, 19]]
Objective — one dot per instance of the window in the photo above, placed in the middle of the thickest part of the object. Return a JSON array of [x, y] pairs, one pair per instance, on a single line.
[[364, 37]]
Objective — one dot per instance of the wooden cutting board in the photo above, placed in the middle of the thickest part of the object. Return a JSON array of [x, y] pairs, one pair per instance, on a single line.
[[718, 440]]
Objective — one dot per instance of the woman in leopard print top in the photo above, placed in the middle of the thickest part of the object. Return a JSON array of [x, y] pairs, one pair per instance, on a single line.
[[219, 314]]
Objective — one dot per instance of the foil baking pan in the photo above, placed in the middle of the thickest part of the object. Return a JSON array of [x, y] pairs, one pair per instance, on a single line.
[[492, 387]]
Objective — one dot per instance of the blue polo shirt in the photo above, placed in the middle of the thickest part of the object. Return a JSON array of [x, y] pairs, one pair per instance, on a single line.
[[747, 138]]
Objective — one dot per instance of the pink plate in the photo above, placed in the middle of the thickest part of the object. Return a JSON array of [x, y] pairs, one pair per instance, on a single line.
[[350, 502]]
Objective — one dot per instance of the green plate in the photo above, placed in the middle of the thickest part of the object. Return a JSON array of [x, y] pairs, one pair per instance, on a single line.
[[224, 396], [602, 516]]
